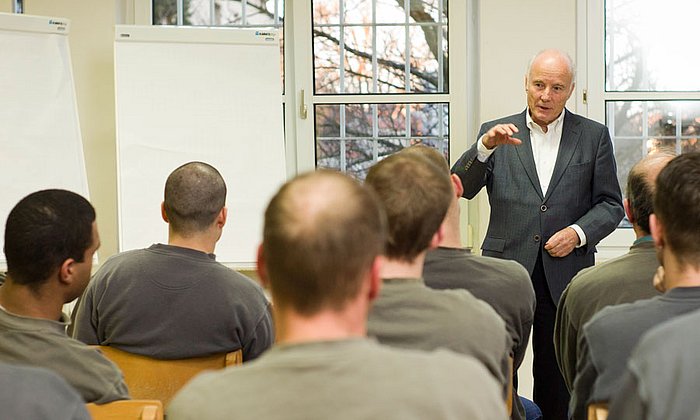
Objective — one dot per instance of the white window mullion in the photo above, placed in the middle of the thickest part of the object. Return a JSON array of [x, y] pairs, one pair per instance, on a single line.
[[407, 47], [180, 12], [212, 13]]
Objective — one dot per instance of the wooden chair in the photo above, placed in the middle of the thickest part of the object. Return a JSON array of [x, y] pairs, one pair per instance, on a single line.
[[127, 410], [598, 411], [155, 379]]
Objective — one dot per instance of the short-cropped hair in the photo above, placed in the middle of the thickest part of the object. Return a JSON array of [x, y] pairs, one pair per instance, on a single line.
[[43, 230], [416, 195], [430, 153], [195, 193], [677, 206], [323, 231]]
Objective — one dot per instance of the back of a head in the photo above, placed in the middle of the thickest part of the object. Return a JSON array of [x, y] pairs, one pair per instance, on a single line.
[[195, 193], [641, 186], [322, 233], [430, 153], [416, 195], [42, 231], [676, 205]]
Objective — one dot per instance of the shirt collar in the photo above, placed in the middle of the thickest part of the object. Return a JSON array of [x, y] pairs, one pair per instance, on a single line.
[[554, 125]]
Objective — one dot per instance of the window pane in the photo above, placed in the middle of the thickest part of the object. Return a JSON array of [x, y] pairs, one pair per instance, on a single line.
[[650, 47], [642, 127], [352, 137], [383, 47], [235, 13]]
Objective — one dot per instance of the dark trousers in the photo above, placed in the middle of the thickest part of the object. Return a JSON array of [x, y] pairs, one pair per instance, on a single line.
[[549, 392]]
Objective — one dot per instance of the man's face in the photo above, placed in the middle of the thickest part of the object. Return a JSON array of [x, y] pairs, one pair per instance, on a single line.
[[548, 85], [84, 269]]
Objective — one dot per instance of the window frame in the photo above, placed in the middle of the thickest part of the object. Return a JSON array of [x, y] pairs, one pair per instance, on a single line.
[[592, 96], [300, 138]]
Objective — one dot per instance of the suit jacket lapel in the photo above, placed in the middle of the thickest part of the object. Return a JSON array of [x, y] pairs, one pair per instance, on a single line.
[[525, 155], [569, 140]]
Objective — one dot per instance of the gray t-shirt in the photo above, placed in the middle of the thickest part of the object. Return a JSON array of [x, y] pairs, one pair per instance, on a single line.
[[609, 338], [503, 284], [352, 379], [30, 393], [408, 314], [661, 381], [170, 302], [44, 343]]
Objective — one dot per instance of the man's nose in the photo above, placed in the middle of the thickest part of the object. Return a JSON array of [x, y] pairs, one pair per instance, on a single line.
[[545, 94]]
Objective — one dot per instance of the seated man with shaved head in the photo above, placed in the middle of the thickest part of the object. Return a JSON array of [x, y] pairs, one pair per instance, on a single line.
[[176, 301], [321, 257]]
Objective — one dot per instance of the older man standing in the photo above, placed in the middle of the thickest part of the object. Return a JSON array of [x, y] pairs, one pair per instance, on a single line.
[[551, 179]]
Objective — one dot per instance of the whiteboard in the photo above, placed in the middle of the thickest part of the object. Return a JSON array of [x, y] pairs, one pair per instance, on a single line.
[[205, 94], [40, 142]]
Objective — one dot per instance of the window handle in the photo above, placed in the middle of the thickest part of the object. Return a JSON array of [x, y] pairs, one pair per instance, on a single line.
[[303, 109]]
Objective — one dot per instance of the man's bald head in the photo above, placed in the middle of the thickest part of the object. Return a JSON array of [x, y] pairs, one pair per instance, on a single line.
[[322, 233], [641, 186]]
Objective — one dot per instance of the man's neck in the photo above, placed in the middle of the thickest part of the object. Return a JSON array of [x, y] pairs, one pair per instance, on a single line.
[[451, 235], [22, 300], [393, 268], [678, 275], [201, 242], [292, 328], [639, 232]]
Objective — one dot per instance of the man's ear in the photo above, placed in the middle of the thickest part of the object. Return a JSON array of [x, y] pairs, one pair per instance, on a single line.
[[162, 212], [437, 237], [262, 270], [457, 185], [628, 210], [66, 271], [571, 91], [375, 280], [657, 231], [221, 218]]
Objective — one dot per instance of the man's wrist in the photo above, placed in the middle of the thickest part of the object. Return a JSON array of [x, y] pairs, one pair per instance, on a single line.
[[581, 235], [483, 152]]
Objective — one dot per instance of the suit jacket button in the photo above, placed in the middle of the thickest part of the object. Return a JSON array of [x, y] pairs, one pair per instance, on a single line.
[[537, 238], [543, 207]]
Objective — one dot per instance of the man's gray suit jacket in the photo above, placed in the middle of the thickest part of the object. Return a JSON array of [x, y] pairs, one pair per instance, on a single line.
[[583, 190]]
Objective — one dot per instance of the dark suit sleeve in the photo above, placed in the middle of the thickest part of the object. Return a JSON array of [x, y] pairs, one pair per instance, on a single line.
[[472, 172], [606, 200]]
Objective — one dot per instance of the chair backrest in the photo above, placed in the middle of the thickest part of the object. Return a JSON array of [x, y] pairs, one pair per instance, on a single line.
[[598, 411], [127, 410], [149, 378]]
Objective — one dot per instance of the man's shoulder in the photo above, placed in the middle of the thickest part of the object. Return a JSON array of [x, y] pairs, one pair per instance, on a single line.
[[620, 280], [611, 272], [612, 319], [456, 268]]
